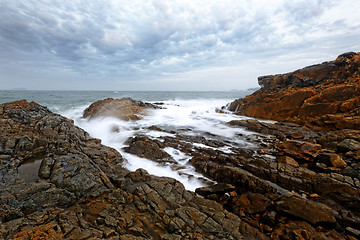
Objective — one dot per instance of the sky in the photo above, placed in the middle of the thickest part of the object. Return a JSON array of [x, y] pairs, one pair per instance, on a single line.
[[179, 45]]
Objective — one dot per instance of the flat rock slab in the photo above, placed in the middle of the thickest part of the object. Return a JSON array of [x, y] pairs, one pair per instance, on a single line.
[[308, 210]]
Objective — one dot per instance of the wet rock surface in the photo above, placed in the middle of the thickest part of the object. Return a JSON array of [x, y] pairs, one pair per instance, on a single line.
[[316, 166], [123, 108], [83, 192], [289, 179], [297, 180]]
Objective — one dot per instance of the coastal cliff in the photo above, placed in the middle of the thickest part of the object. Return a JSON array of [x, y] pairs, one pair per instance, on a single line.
[[323, 96]]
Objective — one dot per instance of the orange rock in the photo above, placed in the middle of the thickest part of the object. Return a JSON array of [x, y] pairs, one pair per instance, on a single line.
[[331, 160], [299, 149], [250, 203], [288, 160], [125, 109], [324, 96], [50, 231], [314, 195]]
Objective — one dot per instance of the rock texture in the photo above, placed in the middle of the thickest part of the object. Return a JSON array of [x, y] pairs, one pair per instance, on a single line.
[[283, 181], [295, 184], [316, 165], [125, 109], [79, 190], [324, 96]]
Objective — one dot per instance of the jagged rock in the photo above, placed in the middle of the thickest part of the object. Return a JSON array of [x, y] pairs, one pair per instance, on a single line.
[[93, 197], [288, 160], [348, 145], [331, 159], [354, 232], [325, 96], [250, 203], [82, 192], [297, 229], [300, 149], [145, 147], [308, 210], [240, 178], [124, 109], [218, 189], [279, 129]]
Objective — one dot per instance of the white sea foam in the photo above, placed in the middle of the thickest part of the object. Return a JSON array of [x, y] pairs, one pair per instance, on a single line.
[[199, 116]]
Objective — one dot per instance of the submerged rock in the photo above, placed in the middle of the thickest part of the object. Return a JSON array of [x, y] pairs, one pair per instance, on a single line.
[[124, 108]]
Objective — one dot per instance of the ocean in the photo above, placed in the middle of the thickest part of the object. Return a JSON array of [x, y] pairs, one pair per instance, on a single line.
[[181, 110]]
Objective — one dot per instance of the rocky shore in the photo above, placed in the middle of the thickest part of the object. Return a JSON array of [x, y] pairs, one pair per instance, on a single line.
[[297, 178], [323, 96]]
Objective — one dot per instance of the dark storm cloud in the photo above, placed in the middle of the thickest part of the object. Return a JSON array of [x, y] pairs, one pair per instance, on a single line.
[[149, 39]]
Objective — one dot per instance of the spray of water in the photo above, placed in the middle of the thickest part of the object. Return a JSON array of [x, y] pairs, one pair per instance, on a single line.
[[197, 115]]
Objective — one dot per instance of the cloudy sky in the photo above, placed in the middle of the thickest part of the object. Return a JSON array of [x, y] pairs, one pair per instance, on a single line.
[[168, 45]]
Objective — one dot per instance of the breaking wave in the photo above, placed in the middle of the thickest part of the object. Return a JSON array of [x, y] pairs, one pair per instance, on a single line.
[[198, 116]]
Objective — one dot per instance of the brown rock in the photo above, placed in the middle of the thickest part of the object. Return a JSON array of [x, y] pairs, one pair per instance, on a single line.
[[288, 160], [297, 135], [302, 230], [313, 195], [348, 145], [124, 109], [82, 192], [354, 154], [299, 149], [218, 189], [308, 210], [331, 159], [325, 96], [143, 146], [50, 231], [250, 203]]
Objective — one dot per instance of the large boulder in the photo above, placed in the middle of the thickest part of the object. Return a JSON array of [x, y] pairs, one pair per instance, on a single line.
[[124, 108]]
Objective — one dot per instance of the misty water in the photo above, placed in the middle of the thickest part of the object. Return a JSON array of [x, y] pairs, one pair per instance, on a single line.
[[192, 111]]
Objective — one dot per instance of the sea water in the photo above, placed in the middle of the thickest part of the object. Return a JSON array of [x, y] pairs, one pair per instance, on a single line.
[[181, 110]]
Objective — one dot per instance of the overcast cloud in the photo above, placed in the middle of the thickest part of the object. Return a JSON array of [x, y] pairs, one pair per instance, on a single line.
[[168, 45]]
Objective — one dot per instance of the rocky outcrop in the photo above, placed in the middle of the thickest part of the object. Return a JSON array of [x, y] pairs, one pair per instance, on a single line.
[[59, 183], [291, 182], [323, 96], [125, 109], [48, 162], [145, 147]]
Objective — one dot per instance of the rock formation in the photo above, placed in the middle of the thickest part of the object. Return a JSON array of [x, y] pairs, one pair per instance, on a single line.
[[318, 159], [125, 109], [289, 181], [325, 96], [59, 183]]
